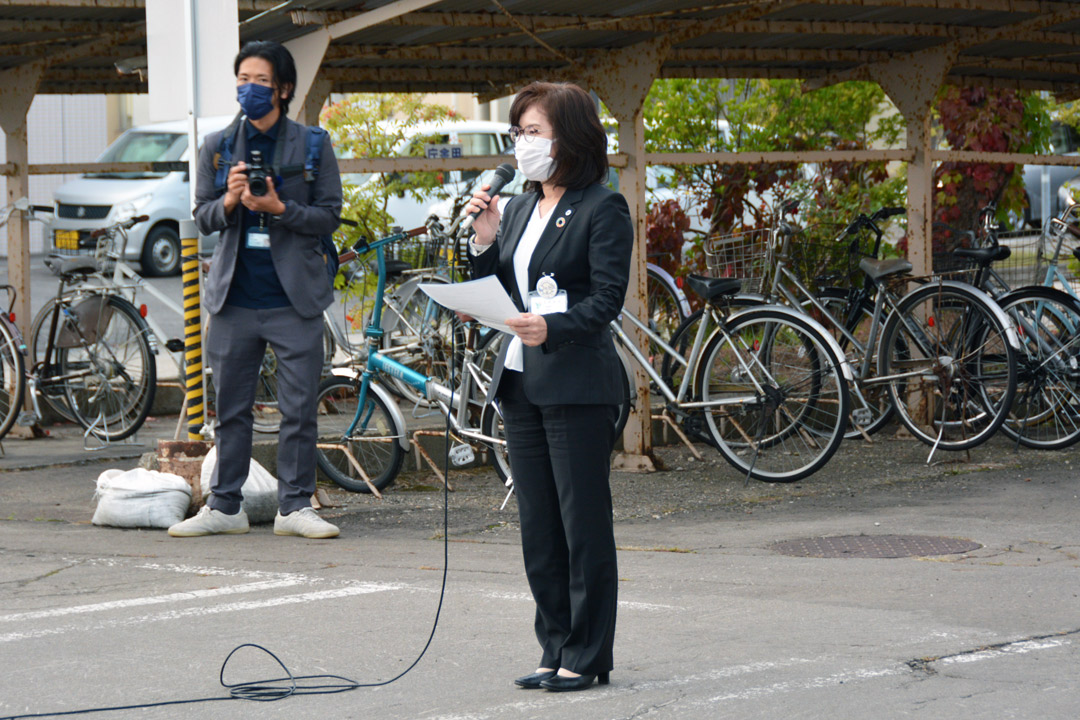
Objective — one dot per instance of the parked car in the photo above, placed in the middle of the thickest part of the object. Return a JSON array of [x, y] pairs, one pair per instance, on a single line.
[[97, 200], [475, 137], [1064, 140]]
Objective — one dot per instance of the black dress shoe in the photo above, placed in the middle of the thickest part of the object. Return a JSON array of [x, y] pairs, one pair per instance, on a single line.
[[561, 683], [532, 682]]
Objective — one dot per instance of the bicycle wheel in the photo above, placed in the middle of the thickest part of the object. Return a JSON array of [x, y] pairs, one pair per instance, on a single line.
[[12, 379], [265, 410], [491, 424], [106, 368], [682, 340], [781, 398], [1045, 412], [952, 363], [374, 444], [39, 332], [875, 409], [664, 301]]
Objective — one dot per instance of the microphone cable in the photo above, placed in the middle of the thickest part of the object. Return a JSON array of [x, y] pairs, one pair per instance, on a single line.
[[270, 690]]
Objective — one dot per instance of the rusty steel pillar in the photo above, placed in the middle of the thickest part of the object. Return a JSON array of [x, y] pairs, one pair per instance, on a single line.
[[622, 80], [313, 102], [912, 82], [17, 90], [311, 87]]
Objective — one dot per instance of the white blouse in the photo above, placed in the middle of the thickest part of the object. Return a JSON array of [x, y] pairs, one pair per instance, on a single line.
[[522, 256]]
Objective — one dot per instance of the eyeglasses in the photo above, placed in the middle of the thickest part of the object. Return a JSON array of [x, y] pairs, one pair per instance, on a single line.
[[528, 133]]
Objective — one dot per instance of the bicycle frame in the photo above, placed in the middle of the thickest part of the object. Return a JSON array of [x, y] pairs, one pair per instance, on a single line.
[[678, 398], [449, 400]]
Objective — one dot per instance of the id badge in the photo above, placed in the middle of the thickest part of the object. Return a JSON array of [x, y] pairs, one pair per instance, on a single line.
[[258, 239], [540, 305]]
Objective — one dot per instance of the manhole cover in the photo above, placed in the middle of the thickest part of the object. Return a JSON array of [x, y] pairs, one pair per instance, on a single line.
[[874, 546]]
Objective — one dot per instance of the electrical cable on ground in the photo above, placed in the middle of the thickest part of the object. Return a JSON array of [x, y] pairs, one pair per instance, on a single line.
[[291, 685]]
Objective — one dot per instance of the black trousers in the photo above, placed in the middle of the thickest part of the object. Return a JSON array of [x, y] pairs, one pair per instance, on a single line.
[[560, 459]]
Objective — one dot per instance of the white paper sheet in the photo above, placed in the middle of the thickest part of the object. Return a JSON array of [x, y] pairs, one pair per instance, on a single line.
[[483, 299]]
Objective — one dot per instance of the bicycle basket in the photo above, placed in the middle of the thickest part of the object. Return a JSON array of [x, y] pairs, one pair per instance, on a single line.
[[743, 255], [1027, 262], [822, 256]]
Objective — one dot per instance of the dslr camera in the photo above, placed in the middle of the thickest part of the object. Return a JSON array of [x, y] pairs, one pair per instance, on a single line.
[[257, 174]]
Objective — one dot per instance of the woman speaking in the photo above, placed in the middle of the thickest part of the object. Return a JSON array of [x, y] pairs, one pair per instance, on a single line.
[[562, 251]]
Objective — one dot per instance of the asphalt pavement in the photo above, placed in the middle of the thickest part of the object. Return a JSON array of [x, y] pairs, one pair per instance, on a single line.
[[714, 620]]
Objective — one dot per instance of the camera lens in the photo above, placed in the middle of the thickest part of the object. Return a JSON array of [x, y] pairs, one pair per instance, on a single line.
[[257, 184]]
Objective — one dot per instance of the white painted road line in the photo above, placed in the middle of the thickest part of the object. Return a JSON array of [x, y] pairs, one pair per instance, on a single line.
[[707, 679], [153, 600], [347, 591]]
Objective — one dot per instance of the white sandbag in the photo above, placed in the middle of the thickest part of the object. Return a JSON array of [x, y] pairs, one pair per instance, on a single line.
[[140, 498], [260, 489]]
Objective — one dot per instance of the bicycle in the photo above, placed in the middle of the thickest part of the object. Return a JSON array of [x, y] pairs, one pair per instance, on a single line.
[[114, 276], [942, 356], [362, 432], [1045, 413], [97, 360], [767, 385]]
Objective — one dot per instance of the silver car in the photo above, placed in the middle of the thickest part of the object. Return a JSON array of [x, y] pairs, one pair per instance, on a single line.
[[97, 200]]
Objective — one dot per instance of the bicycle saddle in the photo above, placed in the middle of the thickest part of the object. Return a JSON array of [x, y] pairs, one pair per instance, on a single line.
[[396, 267], [878, 269], [66, 267], [712, 288], [984, 256]]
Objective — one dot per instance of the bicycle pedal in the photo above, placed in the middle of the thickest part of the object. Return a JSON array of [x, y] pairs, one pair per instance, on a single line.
[[174, 345], [462, 455], [862, 416], [27, 418]]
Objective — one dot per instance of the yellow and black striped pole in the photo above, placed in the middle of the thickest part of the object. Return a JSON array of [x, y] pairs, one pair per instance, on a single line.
[[193, 366]]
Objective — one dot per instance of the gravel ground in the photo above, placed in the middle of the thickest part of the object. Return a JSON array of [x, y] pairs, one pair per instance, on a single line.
[[891, 470]]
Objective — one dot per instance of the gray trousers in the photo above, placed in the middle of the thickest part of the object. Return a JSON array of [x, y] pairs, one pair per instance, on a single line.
[[235, 346]]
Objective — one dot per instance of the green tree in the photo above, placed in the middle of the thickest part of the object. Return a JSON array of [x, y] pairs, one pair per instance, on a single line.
[[980, 119], [378, 125], [770, 115]]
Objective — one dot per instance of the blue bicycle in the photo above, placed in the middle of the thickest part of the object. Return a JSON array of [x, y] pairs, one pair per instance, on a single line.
[[362, 431]]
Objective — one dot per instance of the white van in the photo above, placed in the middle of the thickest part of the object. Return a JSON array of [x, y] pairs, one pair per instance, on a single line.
[[97, 200], [466, 137]]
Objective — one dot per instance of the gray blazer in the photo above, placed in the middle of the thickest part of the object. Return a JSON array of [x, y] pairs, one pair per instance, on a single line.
[[311, 210]]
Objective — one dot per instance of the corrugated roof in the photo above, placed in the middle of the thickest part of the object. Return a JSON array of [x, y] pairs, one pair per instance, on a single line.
[[478, 46]]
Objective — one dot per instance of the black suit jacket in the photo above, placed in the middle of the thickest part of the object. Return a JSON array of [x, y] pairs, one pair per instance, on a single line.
[[587, 248]]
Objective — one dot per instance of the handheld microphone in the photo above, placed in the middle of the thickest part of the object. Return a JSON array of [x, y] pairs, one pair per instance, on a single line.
[[503, 174]]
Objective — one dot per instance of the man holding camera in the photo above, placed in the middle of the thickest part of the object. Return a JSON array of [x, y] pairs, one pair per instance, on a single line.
[[268, 283]]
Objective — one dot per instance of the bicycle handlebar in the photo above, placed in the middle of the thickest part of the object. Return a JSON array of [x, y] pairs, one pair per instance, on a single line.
[[125, 224], [12, 295], [888, 212], [362, 245]]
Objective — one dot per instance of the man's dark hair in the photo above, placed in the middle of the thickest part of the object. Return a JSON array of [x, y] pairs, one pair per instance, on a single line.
[[280, 59], [580, 140]]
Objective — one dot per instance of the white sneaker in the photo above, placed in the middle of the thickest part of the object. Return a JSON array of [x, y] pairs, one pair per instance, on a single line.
[[305, 523], [211, 522]]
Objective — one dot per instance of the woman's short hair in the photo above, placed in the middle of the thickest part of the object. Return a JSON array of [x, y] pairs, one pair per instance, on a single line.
[[280, 59], [580, 140]]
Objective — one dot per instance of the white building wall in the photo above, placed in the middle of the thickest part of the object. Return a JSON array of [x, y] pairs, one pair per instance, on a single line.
[[61, 129]]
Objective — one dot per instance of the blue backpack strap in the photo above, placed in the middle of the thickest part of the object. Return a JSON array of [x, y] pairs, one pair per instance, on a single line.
[[313, 156], [223, 156]]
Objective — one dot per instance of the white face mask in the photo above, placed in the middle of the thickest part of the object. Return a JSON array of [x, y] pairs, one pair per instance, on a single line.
[[534, 158]]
